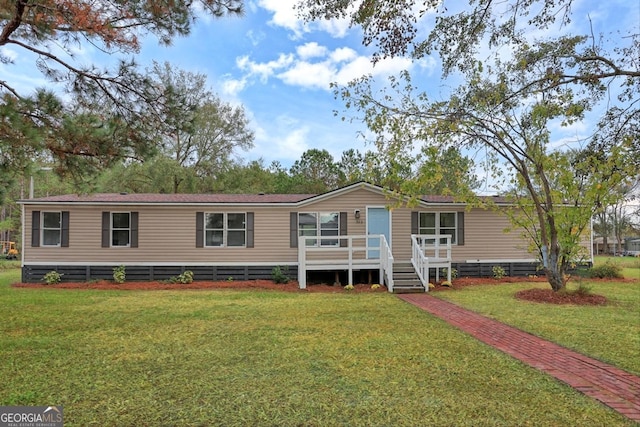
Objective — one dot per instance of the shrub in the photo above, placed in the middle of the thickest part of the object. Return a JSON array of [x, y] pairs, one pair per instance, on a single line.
[[119, 274], [52, 277], [606, 271], [376, 286], [498, 272], [446, 283], [279, 276], [184, 278], [348, 288]]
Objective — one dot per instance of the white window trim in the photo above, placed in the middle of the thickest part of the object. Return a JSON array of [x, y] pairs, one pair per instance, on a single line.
[[318, 236], [225, 230], [111, 229], [437, 223], [42, 229]]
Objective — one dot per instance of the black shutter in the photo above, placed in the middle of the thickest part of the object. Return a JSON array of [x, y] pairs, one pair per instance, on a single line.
[[414, 222], [134, 230], [106, 229], [460, 229], [343, 229], [199, 229], [35, 229], [293, 229], [249, 229], [64, 238]]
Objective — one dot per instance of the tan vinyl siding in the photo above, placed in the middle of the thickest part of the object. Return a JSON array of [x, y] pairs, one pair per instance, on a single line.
[[167, 233]]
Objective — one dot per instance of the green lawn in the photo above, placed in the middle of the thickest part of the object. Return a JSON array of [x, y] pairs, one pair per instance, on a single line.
[[610, 333], [630, 265], [264, 358]]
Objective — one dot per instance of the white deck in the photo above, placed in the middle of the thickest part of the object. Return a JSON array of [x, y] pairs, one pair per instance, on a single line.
[[352, 253]]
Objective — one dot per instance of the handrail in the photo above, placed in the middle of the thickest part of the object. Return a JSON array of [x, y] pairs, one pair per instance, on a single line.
[[386, 263], [430, 244], [420, 262]]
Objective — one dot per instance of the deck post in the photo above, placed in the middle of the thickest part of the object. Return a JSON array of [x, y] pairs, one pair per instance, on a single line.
[[302, 268], [350, 274]]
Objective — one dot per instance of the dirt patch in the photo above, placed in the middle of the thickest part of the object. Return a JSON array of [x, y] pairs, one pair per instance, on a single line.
[[548, 296], [292, 286]]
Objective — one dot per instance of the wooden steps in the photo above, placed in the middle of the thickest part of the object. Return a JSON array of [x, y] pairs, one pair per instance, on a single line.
[[405, 279]]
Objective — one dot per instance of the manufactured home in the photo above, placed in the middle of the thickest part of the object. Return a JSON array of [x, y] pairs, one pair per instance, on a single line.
[[353, 232]]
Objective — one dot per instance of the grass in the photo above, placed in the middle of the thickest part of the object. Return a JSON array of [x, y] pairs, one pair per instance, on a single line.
[[630, 265], [238, 358], [610, 333], [8, 264]]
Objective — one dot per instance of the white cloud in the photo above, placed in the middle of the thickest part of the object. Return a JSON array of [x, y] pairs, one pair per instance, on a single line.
[[286, 16], [266, 69], [284, 139], [338, 28], [316, 67], [255, 37], [314, 75], [232, 87], [311, 50], [343, 54]]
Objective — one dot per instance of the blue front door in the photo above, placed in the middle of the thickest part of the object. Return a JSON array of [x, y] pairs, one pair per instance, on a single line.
[[377, 223]]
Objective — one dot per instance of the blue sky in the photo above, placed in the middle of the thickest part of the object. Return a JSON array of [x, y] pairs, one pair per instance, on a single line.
[[280, 69]]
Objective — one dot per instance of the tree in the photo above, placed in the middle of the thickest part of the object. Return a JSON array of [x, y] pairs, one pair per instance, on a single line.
[[507, 104], [197, 130], [103, 120], [432, 171], [315, 172]]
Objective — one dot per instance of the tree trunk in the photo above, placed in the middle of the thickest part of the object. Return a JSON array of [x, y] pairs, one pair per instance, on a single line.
[[554, 269], [555, 278]]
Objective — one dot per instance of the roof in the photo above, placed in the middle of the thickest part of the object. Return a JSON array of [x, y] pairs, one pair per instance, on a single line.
[[171, 199], [154, 198]]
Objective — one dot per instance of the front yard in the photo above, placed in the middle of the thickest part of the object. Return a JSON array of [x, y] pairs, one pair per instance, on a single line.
[[232, 357]]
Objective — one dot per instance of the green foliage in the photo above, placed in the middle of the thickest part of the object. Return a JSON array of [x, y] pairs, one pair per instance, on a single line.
[[52, 277], [498, 272], [506, 108], [349, 288], [606, 271], [280, 276], [184, 278], [86, 116], [119, 274]]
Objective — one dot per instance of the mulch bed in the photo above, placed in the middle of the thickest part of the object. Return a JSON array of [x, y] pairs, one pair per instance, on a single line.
[[545, 295], [292, 286], [548, 296]]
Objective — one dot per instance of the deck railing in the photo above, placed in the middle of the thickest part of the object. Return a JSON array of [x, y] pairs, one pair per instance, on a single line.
[[430, 251], [352, 252]]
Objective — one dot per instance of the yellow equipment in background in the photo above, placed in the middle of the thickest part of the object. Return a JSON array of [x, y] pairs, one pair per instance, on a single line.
[[9, 250]]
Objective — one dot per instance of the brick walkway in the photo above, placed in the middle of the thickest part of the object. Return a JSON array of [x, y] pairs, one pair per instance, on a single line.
[[614, 387]]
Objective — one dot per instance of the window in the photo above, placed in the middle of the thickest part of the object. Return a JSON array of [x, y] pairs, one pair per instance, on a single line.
[[324, 224], [120, 229], [225, 229], [51, 228], [438, 223]]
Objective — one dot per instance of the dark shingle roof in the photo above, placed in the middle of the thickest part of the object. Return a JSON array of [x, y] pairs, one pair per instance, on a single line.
[[174, 198]]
